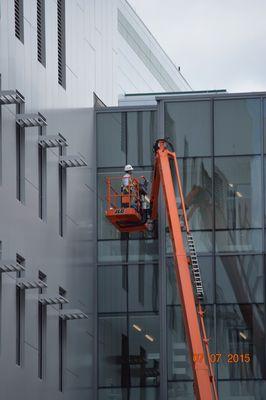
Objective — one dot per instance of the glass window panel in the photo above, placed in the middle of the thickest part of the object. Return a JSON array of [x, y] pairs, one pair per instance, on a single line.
[[112, 251], [205, 264], [141, 135], [111, 135], [237, 126], [188, 125], [143, 287], [112, 394], [142, 250], [196, 178], [240, 240], [179, 364], [112, 288], [242, 390], [151, 393], [202, 239], [144, 350], [239, 279], [243, 333], [238, 202], [180, 391], [113, 350]]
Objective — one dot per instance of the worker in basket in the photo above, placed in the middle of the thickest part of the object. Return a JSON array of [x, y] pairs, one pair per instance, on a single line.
[[134, 191]]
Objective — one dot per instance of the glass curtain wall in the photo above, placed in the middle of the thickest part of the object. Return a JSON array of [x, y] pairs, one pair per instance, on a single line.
[[128, 292], [220, 146]]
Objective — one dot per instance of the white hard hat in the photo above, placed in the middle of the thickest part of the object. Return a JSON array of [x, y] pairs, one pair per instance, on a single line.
[[128, 167]]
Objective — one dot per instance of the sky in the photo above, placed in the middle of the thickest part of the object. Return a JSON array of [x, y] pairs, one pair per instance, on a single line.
[[219, 44]]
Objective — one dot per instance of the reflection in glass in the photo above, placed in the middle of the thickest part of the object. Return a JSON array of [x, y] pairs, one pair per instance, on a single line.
[[112, 288], [142, 250], [113, 351], [141, 136], [112, 251], [178, 358], [143, 287], [188, 125], [196, 178], [111, 134], [152, 393], [243, 333], [238, 192], [238, 241], [239, 279], [179, 366], [237, 126], [203, 242], [244, 390], [144, 350], [180, 391], [205, 264]]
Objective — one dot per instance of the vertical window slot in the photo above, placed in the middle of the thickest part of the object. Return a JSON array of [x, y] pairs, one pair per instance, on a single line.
[[41, 43], [61, 43], [20, 315], [19, 25], [41, 331]]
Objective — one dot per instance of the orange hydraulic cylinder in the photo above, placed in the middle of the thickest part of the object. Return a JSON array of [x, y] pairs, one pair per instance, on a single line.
[[202, 381]]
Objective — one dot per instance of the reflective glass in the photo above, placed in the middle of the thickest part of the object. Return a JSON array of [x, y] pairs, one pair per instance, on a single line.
[[143, 287], [239, 279], [180, 391], [144, 350], [141, 135], [237, 126], [113, 351], [202, 239], [144, 393], [112, 288], [240, 240], [188, 125], [179, 364], [238, 201], [196, 178], [112, 251], [112, 394], [205, 264], [242, 390], [142, 250], [243, 333], [111, 140], [137, 393]]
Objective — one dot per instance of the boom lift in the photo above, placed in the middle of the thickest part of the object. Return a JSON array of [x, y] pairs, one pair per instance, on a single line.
[[126, 211]]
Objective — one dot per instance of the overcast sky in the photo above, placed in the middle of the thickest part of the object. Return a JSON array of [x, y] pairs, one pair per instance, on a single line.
[[219, 44]]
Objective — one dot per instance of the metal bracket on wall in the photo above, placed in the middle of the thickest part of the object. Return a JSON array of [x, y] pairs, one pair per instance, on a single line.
[[52, 300], [72, 314], [72, 161], [10, 266], [23, 283], [11, 97], [30, 120], [48, 141]]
